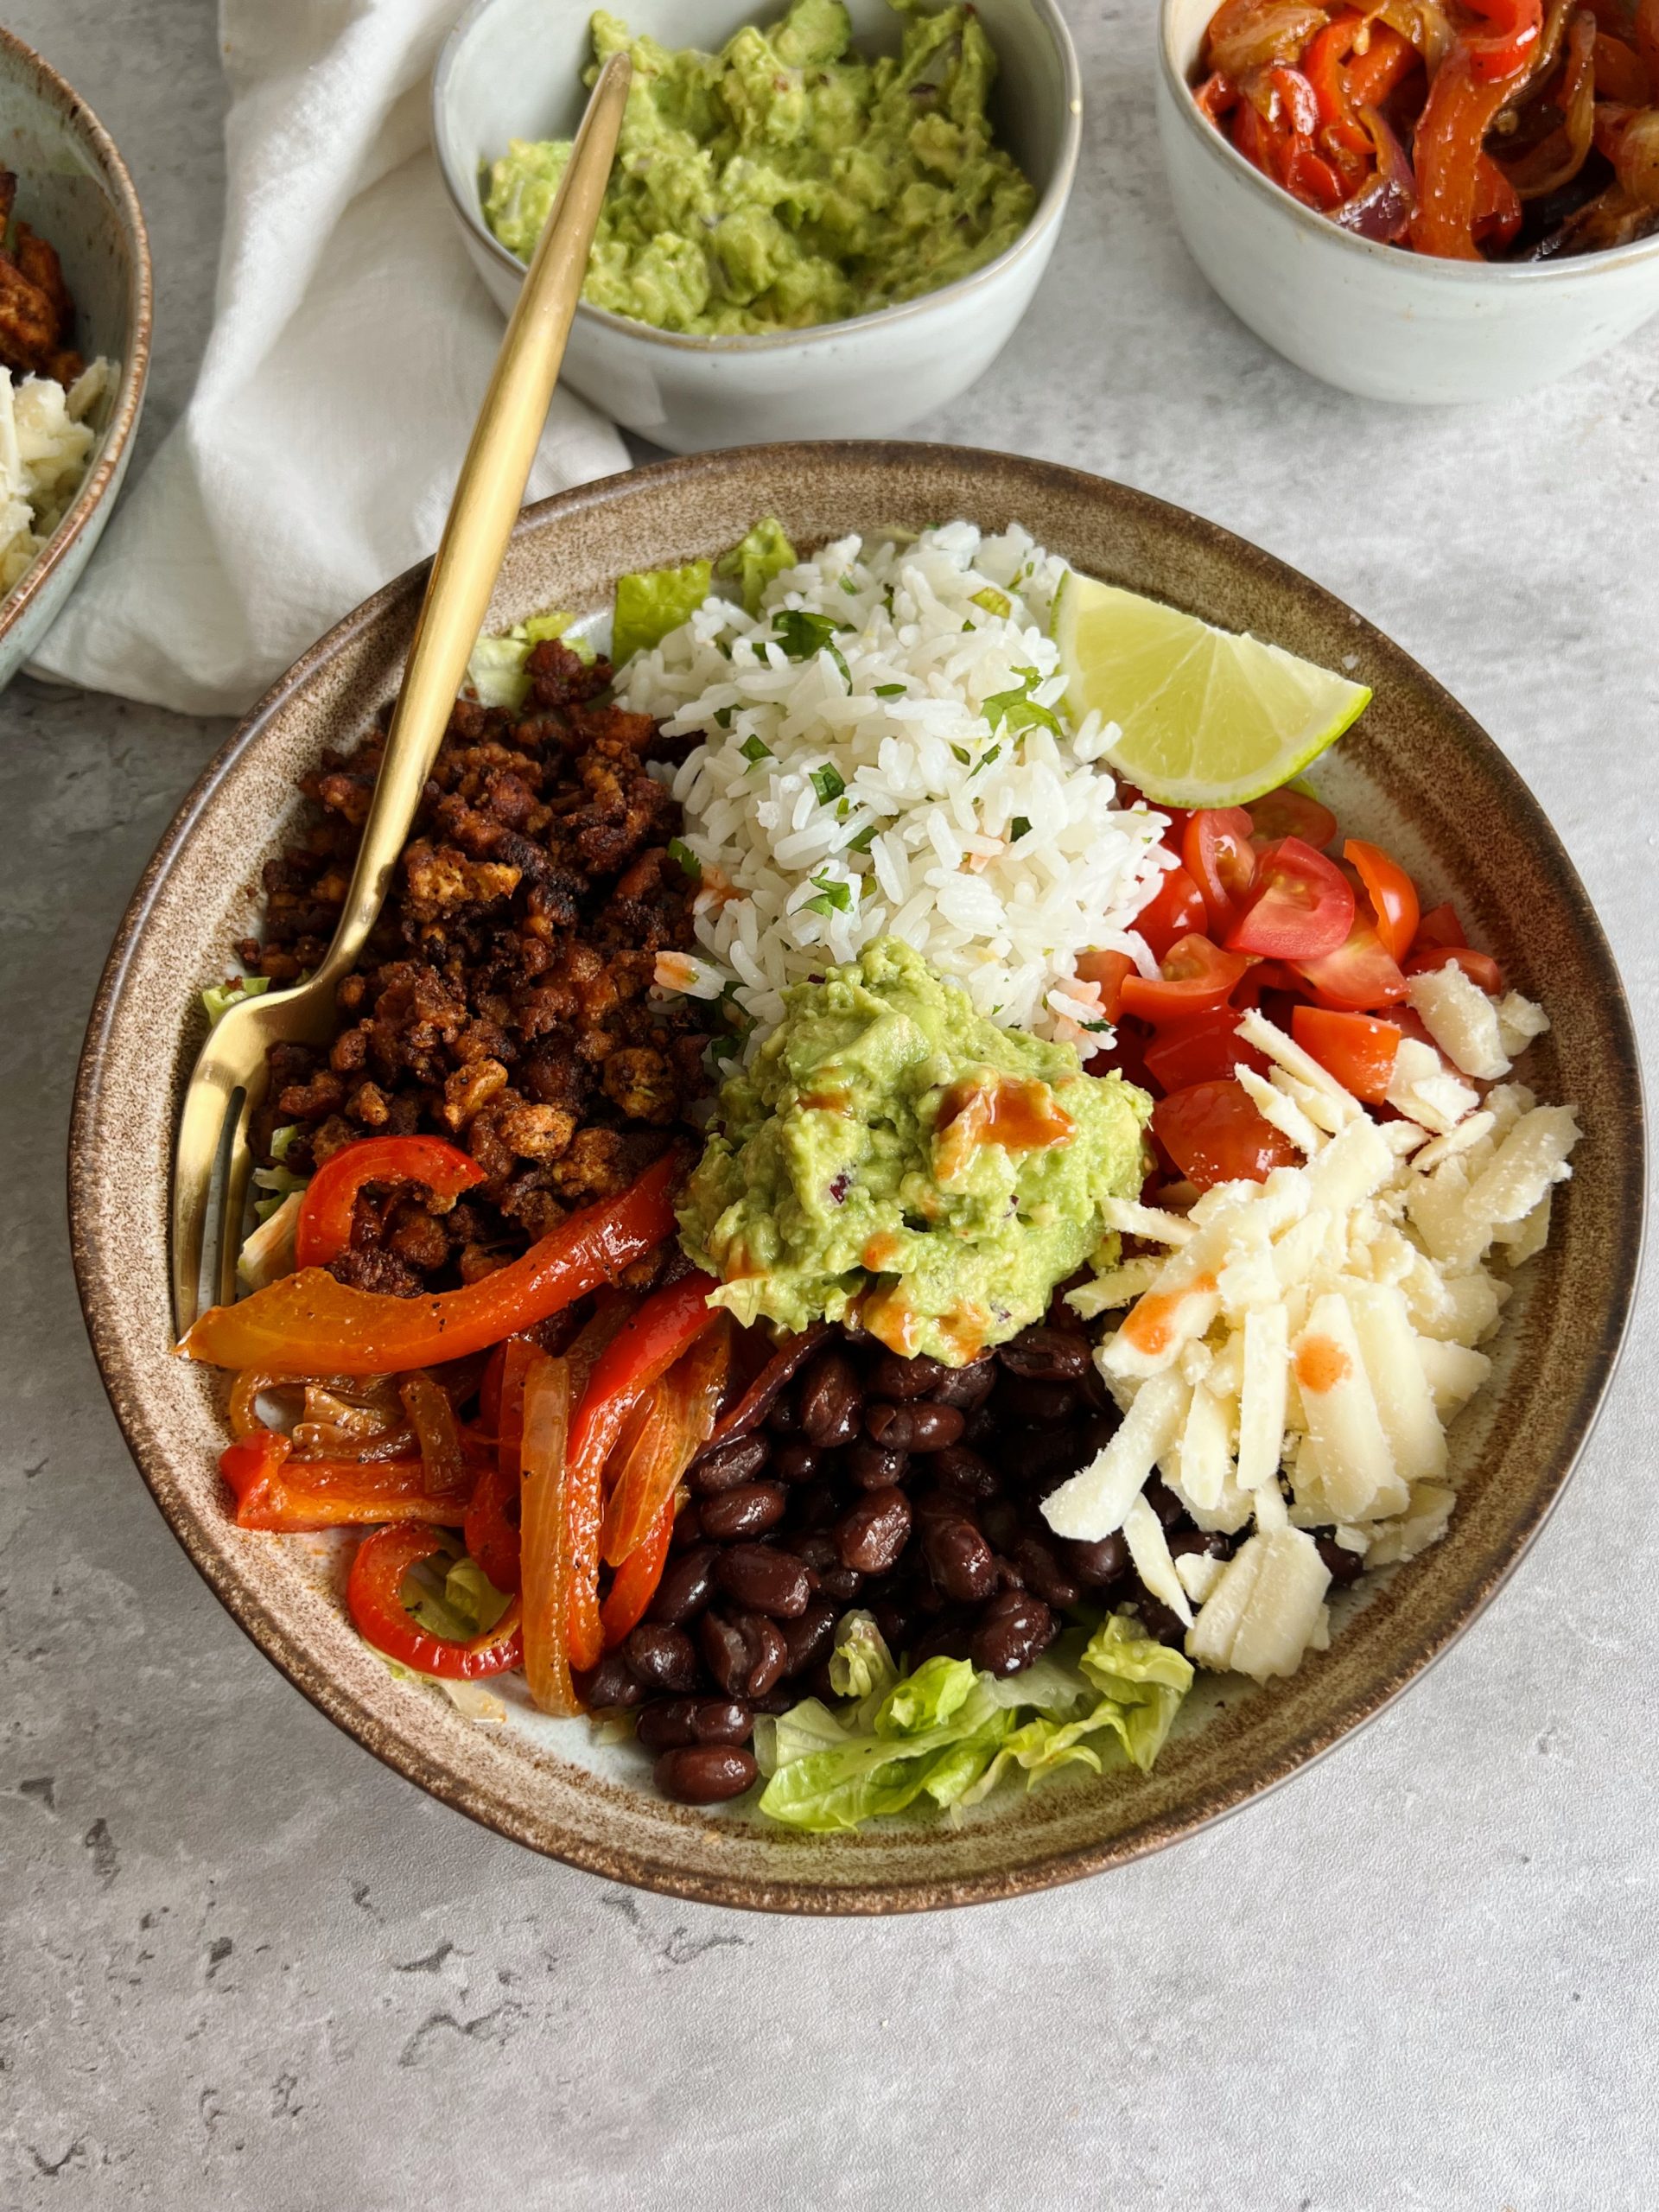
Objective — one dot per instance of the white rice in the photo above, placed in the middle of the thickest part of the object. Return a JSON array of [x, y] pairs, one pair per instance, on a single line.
[[913, 827]]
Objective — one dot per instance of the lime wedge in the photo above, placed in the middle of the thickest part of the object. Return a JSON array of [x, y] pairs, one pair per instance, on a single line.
[[1208, 717]]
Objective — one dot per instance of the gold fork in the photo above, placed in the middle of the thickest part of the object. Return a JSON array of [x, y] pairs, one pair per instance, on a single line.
[[230, 1076]]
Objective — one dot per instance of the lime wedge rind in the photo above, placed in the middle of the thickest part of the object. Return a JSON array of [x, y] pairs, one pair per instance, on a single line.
[[1207, 717]]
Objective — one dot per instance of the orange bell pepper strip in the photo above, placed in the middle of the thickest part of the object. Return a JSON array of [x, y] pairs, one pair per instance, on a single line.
[[666, 1430], [644, 1347], [636, 1581], [324, 1229], [1448, 155], [309, 1323], [274, 1490], [548, 1394], [374, 1600]]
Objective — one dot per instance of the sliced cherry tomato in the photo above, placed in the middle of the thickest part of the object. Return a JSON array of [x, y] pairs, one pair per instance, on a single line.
[[1214, 1134], [1175, 823], [1221, 861], [1205, 1050], [1263, 976], [374, 1598], [1439, 925], [1391, 892], [1354, 1048], [1196, 976], [1479, 967], [1174, 908], [1359, 974], [1303, 907], [1108, 971], [1288, 813], [324, 1229]]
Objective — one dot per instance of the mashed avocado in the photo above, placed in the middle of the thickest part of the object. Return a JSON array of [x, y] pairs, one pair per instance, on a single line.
[[786, 180], [891, 1158]]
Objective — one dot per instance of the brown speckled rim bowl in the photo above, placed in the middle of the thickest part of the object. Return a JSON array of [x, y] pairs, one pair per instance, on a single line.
[[114, 303], [1416, 771]]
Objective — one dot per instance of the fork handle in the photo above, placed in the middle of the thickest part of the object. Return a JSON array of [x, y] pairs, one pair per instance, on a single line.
[[488, 495]]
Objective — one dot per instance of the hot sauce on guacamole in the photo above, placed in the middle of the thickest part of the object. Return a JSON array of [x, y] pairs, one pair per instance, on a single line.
[[786, 181], [891, 1158]]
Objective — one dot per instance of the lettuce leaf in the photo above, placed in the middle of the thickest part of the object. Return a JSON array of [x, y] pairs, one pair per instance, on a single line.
[[763, 554], [650, 605], [219, 998], [949, 1734], [465, 1604], [496, 670]]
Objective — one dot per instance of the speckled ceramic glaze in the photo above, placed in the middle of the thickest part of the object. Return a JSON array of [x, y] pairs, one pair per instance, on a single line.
[[73, 188], [1416, 772]]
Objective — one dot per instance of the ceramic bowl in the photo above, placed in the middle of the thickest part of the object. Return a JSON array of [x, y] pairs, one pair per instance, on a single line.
[[512, 69], [73, 188], [1368, 318], [1416, 772]]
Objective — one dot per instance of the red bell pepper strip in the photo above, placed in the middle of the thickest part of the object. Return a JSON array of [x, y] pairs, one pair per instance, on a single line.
[[1371, 76], [324, 1229], [645, 1346], [375, 1601], [636, 1581], [1502, 52], [490, 1526], [1647, 41], [309, 1323], [1447, 154], [274, 1490]]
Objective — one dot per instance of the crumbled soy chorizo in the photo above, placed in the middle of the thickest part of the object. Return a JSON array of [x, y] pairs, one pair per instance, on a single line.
[[504, 1000]]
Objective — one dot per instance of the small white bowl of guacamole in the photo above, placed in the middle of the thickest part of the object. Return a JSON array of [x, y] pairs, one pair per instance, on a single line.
[[832, 218]]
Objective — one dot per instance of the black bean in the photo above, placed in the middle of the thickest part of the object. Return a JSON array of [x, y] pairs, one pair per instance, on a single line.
[[810, 1638], [961, 1560], [1161, 1621], [893, 1618], [1099, 1429], [667, 1724], [798, 1463], [748, 1510], [1163, 1501], [1000, 1519], [963, 1474], [663, 1657], [1042, 1355], [815, 1551], [728, 1465], [763, 1581], [611, 1683], [1208, 1542], [747, 1656], [687, 1585], [921, 1427], [1033, 1456], [950, 1638], [784, 1417], [1345, 1567], [979, 1427], [871, 1537], [1045, 1405], [687, 1529], [831, 1402], [892, 1377], [818, 1683], [841, 1583], [778, 1701], [1097, 1562], [1007, 1639], [965, 1387], [704, 1774], [872, 1466], [1042, 1572]]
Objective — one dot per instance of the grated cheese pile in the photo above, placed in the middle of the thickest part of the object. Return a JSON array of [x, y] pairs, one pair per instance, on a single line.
[[1292, 1357]]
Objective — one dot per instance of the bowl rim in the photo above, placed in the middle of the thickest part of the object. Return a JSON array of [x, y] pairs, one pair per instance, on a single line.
[[1431, 267], [135, 368], [1048, 211], [100, 1293]]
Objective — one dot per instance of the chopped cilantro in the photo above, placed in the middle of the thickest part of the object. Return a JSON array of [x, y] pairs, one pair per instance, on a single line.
[[864, 839], [802, 635], [962, 753], [834, 898], [826, 781], [983, 761], [684, 859], [1019, 828], [850, 588], [724, 716], [754, 748], [1017, 709], [889, 691], [994, 602]]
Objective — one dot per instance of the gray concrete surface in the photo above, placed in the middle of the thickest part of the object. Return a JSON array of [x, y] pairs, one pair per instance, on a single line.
[[242, 1966]]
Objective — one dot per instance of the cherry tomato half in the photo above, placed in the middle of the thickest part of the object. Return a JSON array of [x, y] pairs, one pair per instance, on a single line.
[[1391, 892], [1108, 971], [1359, 974], [1479, 967], [1204, 1049], [1286, 813], [1303, 907], [1221, 861], [1174, 908], [1439, 925], [1197, 977], [1263, 976], [1354, 1048], [1214, 1135]]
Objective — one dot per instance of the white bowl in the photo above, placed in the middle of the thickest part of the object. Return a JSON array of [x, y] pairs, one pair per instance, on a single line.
[[512, 69], [1372, 319]]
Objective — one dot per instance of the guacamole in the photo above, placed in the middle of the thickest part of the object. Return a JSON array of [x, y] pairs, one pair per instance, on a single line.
[[891, 1158], [786, 180]]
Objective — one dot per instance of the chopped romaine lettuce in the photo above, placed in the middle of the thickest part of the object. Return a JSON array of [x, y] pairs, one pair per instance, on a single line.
[[763, 554], [219, 998], [950, 1733], [649, 606], [496, 670]]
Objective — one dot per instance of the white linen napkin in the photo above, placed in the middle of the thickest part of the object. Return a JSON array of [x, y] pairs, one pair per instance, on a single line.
[[351, 345]]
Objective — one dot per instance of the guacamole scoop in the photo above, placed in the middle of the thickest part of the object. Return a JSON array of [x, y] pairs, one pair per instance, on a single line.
[[891, 1158], [786, 181]]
